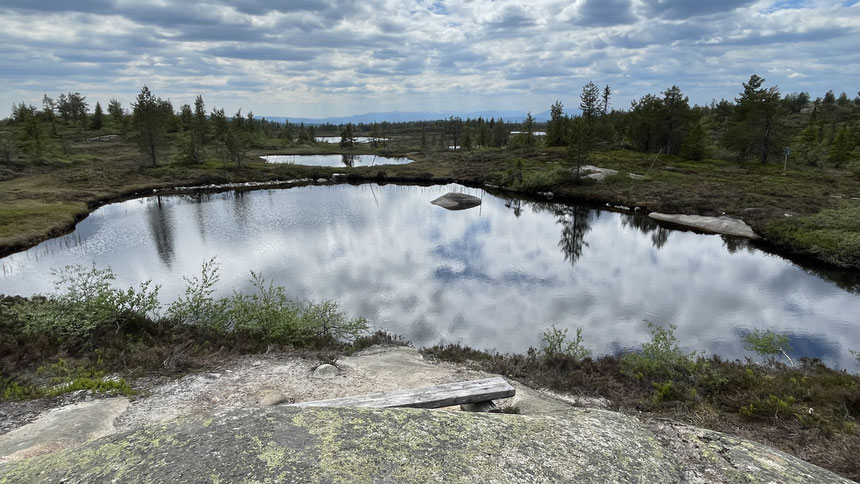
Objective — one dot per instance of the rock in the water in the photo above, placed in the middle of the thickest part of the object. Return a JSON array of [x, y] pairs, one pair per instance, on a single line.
[[715, 225], [457, 201], [325, 371], [288, 444], [322, 180]]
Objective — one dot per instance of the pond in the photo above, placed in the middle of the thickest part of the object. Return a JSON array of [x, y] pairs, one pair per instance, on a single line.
[[347, 161], [493, 277], [336, 139]]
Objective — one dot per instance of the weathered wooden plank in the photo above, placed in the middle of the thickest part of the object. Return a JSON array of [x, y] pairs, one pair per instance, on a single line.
[[428, 397]]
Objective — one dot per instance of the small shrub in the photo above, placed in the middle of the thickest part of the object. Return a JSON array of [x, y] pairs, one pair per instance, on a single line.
[[664, 392], [85, 302], [12, 390], [555, 343], [771, 407], [198, 307], [660, 358], [95, 385], [535, 181]]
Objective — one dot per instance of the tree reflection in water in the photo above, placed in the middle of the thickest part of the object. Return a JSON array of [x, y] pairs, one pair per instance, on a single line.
[[659, 234], [575, 223], [160, 220]]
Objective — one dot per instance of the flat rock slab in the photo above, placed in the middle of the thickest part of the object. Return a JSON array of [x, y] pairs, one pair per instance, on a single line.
[[356, 445], [714, 225], [61, 428], [596, 172], [457, 201]]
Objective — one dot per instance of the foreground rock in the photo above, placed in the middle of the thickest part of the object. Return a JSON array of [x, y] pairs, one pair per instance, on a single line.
[[63, 427], [287, 444], [457, 201], [714, 225]]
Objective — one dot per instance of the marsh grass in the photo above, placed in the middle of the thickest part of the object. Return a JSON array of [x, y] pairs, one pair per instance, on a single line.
[[831, 234]]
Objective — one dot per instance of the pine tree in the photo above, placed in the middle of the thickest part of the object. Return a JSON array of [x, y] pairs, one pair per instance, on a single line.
[[116, 113], [198, 125], [556, 130], [676, 108], [840, 150], [756, 128], [588, 101], [606, 93], [149, 119], [695, 143], [98, 118], [347, 138], [528, 130]]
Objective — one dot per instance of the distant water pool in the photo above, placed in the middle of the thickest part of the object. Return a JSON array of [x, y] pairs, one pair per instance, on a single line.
[[336, 160]]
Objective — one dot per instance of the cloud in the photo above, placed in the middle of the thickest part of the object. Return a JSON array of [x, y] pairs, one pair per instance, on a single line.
[[684, 9], [600, 13], [326, 57]]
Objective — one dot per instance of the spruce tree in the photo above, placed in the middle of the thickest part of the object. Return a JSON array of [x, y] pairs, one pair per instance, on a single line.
[[149, 120]]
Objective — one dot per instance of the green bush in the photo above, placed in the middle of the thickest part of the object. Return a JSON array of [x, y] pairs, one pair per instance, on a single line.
[[197, 307], [661, 358], [266, 314], [555, 343], [270, 315], [84, 303]]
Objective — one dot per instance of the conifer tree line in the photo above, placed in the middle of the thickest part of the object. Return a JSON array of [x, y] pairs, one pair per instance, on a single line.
[[759, 124]]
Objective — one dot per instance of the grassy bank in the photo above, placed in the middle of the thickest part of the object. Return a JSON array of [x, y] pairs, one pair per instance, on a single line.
[[42, 201]]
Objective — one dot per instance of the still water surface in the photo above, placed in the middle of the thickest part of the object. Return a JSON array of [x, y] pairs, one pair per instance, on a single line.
[[336, 160], [336, 139], [493, 277]]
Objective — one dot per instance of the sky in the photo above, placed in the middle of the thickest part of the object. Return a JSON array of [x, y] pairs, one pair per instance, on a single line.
[[321, 58]]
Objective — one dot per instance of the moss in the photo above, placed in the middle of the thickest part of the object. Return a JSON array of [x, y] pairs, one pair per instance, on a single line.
[[831, 234]]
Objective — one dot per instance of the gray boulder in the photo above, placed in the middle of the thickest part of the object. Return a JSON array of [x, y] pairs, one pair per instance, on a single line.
[[714, 225], [288, 444], [457, 201]]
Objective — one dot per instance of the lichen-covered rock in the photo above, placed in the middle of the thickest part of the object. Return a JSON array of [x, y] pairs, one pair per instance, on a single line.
[[457, 201], [354, 445]]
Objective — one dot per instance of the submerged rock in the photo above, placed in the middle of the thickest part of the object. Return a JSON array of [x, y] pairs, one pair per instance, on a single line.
[[457, 201], [715, 225], [288, 444]]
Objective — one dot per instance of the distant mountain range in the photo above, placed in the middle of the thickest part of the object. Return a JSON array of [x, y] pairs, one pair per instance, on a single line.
[[404, 116]]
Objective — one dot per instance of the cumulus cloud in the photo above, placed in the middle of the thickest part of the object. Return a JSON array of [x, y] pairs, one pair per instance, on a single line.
[[329, 57]]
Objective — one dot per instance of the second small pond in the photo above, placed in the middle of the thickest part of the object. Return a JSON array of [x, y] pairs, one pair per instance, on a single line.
[[347, 161]]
